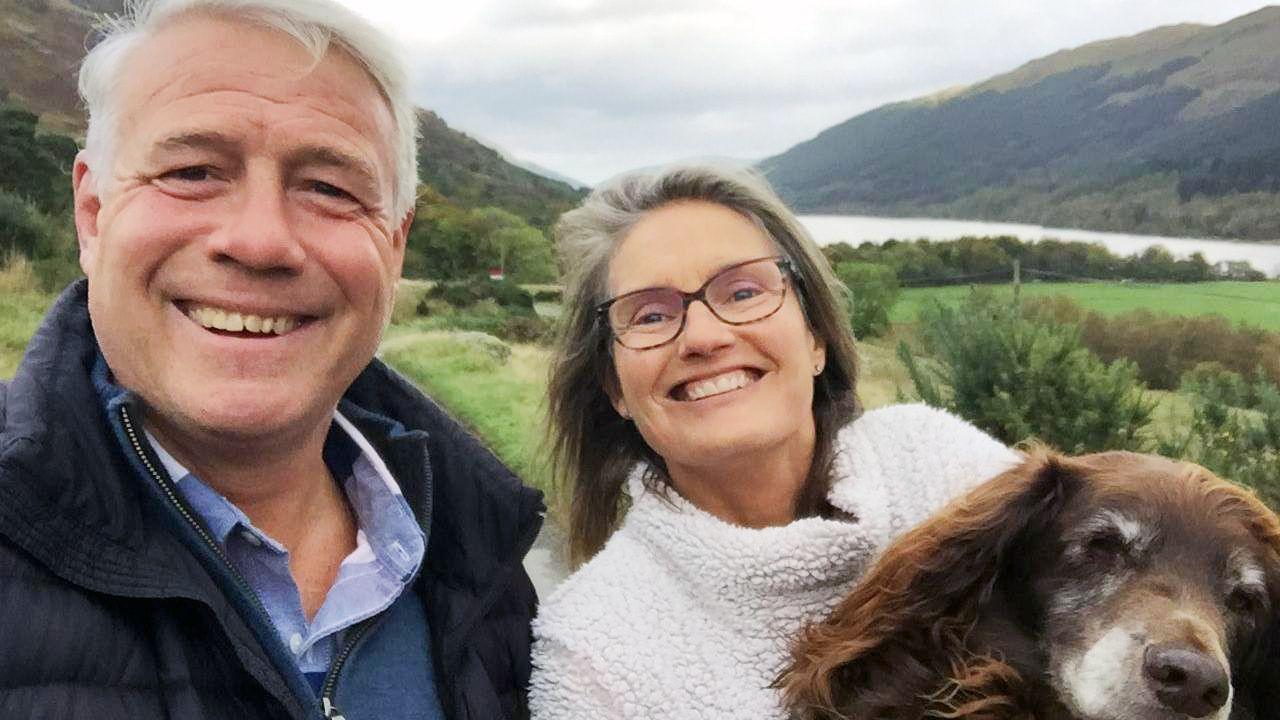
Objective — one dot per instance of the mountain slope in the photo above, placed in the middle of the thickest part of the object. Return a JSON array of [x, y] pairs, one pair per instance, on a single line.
[[472, 174], [1170, 131], [42, 42]]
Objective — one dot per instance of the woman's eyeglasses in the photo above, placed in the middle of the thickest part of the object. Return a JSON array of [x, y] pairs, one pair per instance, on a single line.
[[739, 294]]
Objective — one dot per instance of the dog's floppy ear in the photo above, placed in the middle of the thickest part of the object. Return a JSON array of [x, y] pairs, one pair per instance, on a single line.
[[1258, 682], [888, 641]]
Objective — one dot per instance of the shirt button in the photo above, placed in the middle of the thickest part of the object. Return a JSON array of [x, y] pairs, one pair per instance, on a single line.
[[295, 643], [250, 538]]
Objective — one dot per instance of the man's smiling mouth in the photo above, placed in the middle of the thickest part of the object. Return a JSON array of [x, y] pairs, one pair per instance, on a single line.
[[717, 385], [214, 318]]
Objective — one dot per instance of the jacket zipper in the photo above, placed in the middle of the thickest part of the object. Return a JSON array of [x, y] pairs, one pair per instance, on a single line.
[[166, 485], [331, 678]]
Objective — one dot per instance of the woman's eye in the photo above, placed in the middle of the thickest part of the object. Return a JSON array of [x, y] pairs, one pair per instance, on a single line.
[[649, 317]]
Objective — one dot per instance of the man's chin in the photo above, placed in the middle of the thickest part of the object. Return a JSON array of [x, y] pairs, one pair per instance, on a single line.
[[248, 418]]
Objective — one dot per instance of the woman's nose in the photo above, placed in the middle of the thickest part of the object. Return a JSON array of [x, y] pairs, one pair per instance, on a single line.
[[703, 333]]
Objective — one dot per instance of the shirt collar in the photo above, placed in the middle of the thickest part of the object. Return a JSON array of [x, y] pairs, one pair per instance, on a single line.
[[382, 514]]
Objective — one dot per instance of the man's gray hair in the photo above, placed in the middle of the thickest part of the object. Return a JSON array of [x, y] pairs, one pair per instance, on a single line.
[[313, 23]]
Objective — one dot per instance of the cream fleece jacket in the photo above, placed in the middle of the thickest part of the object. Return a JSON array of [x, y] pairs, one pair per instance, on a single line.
[[682, 615]]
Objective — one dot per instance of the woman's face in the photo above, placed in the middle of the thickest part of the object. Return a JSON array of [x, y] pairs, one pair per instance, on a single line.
[[754, 382]]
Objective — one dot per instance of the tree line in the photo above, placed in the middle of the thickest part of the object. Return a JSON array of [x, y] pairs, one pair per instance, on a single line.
[[450, 239]]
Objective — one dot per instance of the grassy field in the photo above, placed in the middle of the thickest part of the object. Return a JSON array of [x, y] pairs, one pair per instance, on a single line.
[[499, 396], [1254, 303]]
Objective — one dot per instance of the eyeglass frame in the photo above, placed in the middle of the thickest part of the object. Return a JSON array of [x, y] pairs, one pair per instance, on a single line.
[[687, 298]]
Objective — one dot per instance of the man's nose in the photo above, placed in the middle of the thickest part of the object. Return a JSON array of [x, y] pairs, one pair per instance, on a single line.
[[703, 333], [259, 233]]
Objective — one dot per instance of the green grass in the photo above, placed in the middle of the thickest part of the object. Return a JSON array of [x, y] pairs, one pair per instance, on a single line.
[[1257, 303], [22, 306], [501, 400], [20, 315]]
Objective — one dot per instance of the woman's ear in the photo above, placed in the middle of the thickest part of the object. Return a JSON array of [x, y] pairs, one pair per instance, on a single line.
[[817, 353], [899, 629], [614, 390]]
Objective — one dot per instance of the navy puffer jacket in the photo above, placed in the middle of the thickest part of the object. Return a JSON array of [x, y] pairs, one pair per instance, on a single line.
[[110, 609]]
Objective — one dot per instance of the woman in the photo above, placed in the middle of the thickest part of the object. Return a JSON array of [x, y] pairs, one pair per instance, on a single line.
[[705, 384]]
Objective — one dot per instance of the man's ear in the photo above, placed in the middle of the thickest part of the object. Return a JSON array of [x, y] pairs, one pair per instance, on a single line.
[[88, 203], [402, 233]]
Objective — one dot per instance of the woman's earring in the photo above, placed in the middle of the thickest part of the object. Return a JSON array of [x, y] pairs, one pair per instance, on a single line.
[[817, 369]]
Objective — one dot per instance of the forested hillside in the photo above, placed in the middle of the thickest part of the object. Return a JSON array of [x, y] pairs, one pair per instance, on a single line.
[[476, 209], [1172, 131]]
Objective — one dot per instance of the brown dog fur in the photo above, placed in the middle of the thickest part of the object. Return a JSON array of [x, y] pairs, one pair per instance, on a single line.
[[957, 618]]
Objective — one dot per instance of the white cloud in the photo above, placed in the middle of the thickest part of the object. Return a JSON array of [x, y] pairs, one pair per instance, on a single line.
[[592, 88]]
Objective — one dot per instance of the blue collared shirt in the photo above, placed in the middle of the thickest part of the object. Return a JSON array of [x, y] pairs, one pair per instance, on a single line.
[[390, 546]]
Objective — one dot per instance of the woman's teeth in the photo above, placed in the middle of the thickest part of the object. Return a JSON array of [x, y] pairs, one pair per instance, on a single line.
[[698, 389], [231, 321]]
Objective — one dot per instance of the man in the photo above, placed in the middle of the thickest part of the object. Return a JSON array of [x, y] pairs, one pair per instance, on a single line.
[[213, 502]]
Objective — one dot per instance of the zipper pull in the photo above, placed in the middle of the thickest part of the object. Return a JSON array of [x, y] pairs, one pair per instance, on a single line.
[[331, 712]]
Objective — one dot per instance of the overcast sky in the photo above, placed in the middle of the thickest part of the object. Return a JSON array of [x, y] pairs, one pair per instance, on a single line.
[[590, 89]]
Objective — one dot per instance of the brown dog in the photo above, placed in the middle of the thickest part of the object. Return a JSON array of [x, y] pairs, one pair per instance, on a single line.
[[1108, 587]]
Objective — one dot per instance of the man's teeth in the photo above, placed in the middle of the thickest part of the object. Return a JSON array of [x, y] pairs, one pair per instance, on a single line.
[[699, 389], [211, 317]]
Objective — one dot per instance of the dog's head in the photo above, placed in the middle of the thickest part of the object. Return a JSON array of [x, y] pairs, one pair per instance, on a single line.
[[1126, 587]]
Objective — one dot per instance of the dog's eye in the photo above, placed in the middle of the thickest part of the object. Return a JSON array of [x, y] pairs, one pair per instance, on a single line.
[[1244, 601], [1106, 544]]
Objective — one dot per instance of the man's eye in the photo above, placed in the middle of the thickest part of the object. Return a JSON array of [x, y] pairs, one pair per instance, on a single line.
[[333, 191], [195, 173]]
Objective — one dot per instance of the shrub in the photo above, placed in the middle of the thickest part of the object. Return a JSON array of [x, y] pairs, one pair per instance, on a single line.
[[1213, 383], [23, 228], [873, 291], [1165, 347], [1240, 445], [467, 293], [1020, 378]]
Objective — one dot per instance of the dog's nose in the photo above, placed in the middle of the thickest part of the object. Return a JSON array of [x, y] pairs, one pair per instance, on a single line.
[[1185, 679]]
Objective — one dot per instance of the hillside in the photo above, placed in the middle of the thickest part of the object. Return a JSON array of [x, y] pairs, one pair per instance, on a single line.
[[472, 174], [1171, 131], [42, 41]]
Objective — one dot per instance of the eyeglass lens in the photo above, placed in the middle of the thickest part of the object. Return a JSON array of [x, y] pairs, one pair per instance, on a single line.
[[736, 295]]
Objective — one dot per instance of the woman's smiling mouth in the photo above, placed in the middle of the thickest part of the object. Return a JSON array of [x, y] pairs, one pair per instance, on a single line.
[[715, 385]]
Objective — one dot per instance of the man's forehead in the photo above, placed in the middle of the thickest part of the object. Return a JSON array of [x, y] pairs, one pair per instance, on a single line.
[[201, 52]]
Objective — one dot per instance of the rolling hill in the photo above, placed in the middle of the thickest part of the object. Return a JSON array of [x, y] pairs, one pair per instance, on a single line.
[[1171, 131]]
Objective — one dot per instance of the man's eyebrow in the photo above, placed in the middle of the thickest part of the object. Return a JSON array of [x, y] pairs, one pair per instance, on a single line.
[[217, 142]]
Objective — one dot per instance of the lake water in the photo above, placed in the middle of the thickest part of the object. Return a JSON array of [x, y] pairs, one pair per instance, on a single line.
[[855, 229]]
